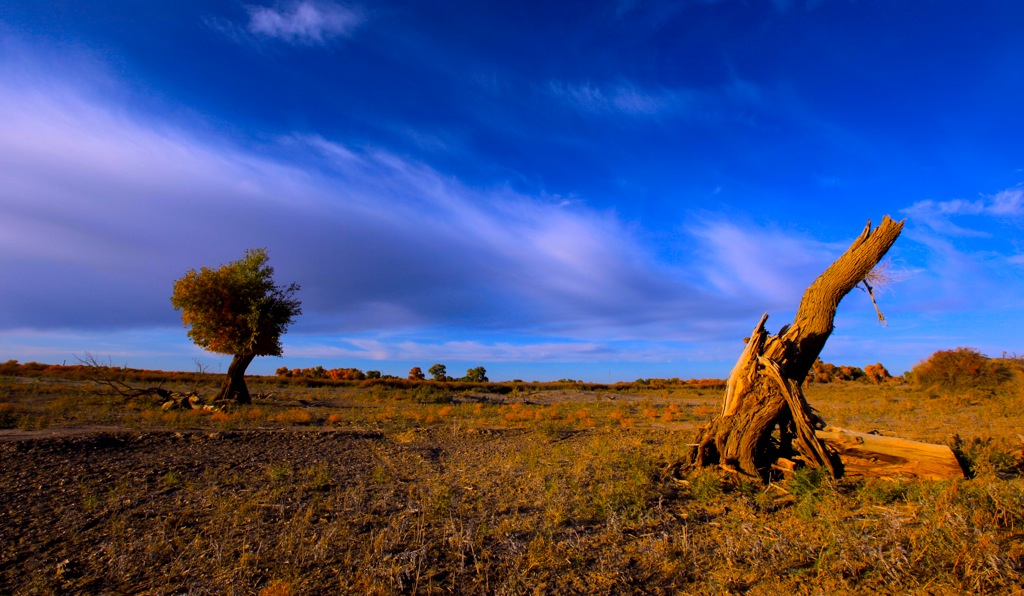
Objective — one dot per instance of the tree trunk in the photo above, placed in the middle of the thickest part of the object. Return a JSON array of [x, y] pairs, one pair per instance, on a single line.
[[234, 386], [765, 418]]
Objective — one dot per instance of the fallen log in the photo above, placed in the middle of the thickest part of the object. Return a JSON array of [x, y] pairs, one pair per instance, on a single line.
[[865, 454]]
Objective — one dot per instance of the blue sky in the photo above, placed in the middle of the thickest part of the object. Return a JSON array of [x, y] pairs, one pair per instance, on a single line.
[[593, 190]]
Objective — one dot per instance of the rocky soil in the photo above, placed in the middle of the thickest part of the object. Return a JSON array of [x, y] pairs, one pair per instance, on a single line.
[[80, 510]]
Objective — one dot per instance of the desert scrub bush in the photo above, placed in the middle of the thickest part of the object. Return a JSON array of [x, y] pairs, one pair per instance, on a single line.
[[294, 416], [278, 471], [705, 485], [989, 457], [430, 394], [824, 372], [876, 491], [32, 421], [959, 370], [876, 373], [627, 486], [221, 417], [7, 416], [810, 487]]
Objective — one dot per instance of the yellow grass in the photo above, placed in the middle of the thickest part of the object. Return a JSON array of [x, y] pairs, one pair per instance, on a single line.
[[568, 493]]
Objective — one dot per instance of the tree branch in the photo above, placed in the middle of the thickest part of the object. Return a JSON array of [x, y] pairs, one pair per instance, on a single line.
[[817, 312]]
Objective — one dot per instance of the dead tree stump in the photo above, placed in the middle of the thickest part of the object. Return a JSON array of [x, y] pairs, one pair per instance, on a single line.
[[765, 421]]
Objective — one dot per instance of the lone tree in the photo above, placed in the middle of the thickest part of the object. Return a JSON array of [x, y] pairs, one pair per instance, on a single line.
[[476, 375], [236, 309], [439, 372], [765, 421]]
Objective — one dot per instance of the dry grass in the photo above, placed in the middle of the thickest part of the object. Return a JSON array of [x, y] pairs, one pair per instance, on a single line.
[[392, 490]]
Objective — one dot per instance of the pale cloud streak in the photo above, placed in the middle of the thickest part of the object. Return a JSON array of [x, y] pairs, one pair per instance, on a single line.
[[938, 215], [773, 265], [622, 97], [104, 206], [304, 23], [110, 205], [730, 103], [965, 268]]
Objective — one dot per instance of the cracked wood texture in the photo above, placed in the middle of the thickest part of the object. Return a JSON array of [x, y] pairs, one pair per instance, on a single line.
[[765, 416]]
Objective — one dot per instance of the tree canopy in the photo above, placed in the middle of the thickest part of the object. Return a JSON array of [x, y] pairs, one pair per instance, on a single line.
[[439, 372], [476, 375], [237, 308]]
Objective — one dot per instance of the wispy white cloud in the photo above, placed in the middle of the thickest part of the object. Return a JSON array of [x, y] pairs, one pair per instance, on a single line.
[[1008, 203], [969, 259], [938, 215], [110, 204], [623, 97], [103, 205], [305, 22], [732, 102], [772, 264]]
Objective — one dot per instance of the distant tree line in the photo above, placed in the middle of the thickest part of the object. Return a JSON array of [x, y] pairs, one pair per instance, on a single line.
[[334, 374], [945, 371], [823, 372], [438, 372]]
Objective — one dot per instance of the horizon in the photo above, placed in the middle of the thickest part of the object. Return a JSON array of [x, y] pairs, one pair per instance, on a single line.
[[601, 192]]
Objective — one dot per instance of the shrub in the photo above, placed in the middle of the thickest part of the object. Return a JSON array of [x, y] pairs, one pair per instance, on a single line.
[[959, 370], [429, 394], [876, 373], [849, 373], [294, 416]]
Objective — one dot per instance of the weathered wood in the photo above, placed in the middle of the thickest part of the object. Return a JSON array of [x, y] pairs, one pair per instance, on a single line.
[[818, 305], [865, 454], [765, 416]]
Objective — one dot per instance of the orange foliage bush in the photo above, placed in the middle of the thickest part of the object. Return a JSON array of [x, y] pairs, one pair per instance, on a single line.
[[823, 372], [876, 373], [294, 416], [958, 370], [254, 414]]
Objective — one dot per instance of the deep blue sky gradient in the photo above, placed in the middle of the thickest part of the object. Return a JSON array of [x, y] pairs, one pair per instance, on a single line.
[[597, 190]]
